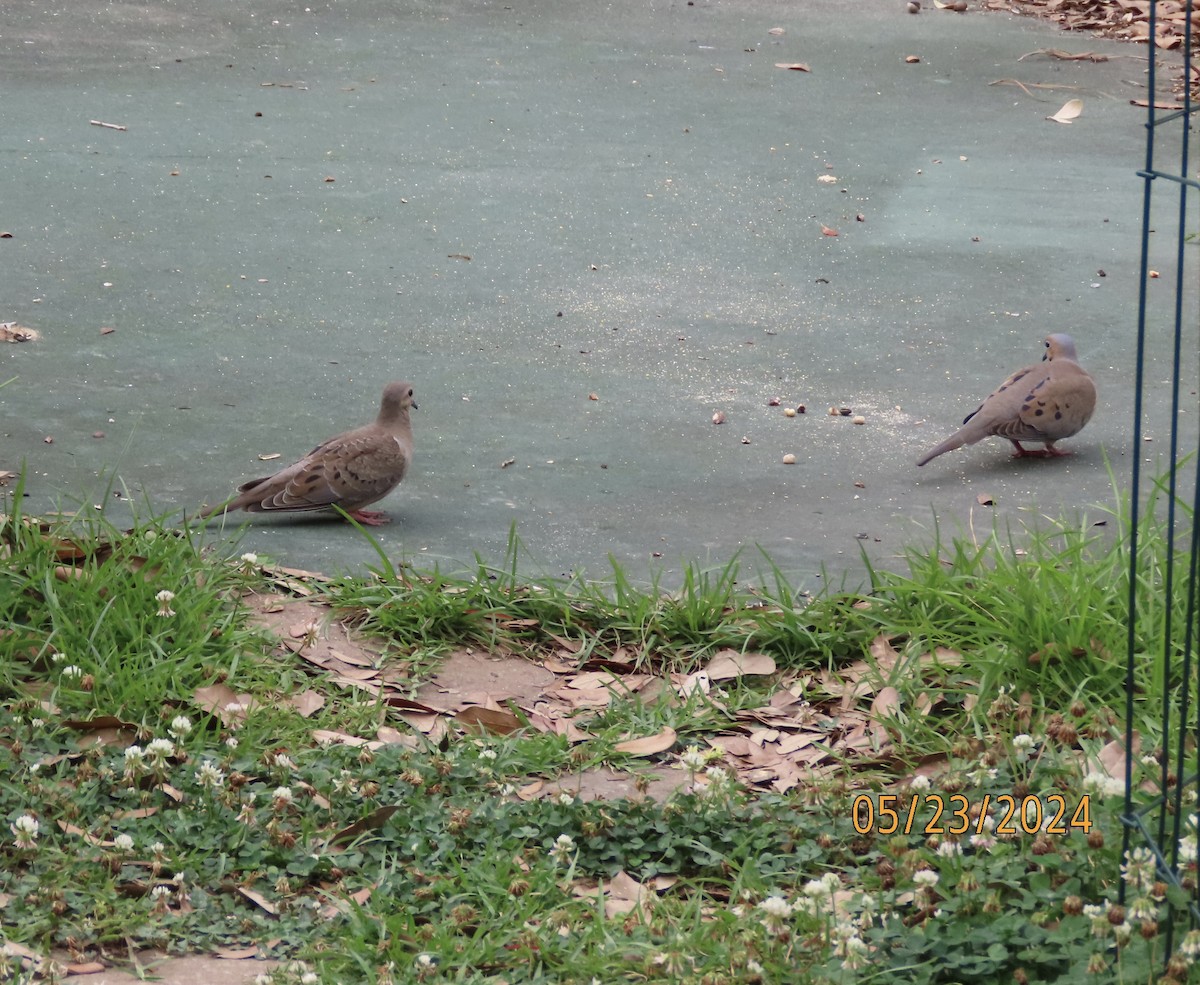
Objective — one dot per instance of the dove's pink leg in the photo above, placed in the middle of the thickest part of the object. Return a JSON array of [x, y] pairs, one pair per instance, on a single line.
[[1048, 452], [372, 518]]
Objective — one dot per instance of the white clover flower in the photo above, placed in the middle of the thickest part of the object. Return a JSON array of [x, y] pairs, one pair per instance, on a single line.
[[231, 742], [56, 658], [1123, 933], [1098, 916], [134, 755], [164, 600], [235, 707], [566, 798], [180, 726], [508, 789], [179, 878], [123, 843], [72, 671], [1022, 746], [488, 754], [983, 842], [1099, 784], [752, 966], [1138, 870], [160, 892], [854, 953], [345, 782], [25, 831], [281, 797], [1190, 946], [248, 560], [949, 849], [37, 722], [426, 962], [919, 782], [693, 759], [775, 910], [1142, 909], [160, 750], [209, 776], [159, 850], [925, 878], [563, 846], [284, 761]]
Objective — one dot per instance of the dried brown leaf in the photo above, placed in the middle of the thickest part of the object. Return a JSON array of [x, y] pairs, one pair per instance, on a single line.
[[727, 664], [489, 720], [1071, 110], [236, 953], [307, 703], [372, 822], [648, 745], [886, 703], [259, 900], [531, 790]]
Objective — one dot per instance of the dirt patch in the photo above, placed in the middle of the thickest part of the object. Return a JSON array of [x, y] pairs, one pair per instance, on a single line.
[[192, 970], [471, 677]]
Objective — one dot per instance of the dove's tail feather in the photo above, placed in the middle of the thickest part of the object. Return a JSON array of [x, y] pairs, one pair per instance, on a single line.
[[956, 440]]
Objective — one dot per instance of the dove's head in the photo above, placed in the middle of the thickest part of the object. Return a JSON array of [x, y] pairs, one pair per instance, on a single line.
[[397, 399], [1060, 346]]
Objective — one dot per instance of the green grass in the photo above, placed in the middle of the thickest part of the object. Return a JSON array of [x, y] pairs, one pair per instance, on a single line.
[[420, 862]]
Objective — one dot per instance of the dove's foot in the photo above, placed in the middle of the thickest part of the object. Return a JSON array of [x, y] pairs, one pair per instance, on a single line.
[[1048, 452], [372, 518]]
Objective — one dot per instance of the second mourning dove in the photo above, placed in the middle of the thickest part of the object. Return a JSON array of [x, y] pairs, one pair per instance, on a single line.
[[353, 470], [1046, 402]]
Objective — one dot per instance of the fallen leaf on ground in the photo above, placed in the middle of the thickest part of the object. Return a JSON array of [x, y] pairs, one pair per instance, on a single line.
[[259, 900], [371, 822], [648, 745], [727, 664], [793, 66], [496, 722], [1070, 111]]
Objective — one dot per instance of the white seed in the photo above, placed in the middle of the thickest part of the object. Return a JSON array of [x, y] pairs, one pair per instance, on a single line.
[[789, 459], [789, 411]]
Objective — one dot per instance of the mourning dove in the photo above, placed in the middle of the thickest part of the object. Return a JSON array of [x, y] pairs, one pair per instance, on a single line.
[[351, 471], [1046, 402]]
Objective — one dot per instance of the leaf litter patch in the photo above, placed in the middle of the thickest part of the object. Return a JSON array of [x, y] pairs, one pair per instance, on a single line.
[[812, 724]]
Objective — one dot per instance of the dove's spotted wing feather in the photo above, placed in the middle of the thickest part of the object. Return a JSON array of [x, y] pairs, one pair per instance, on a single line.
[[1046, 402], [350, 471]]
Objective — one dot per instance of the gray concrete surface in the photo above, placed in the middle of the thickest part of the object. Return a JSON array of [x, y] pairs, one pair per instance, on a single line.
[[637, 187]]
